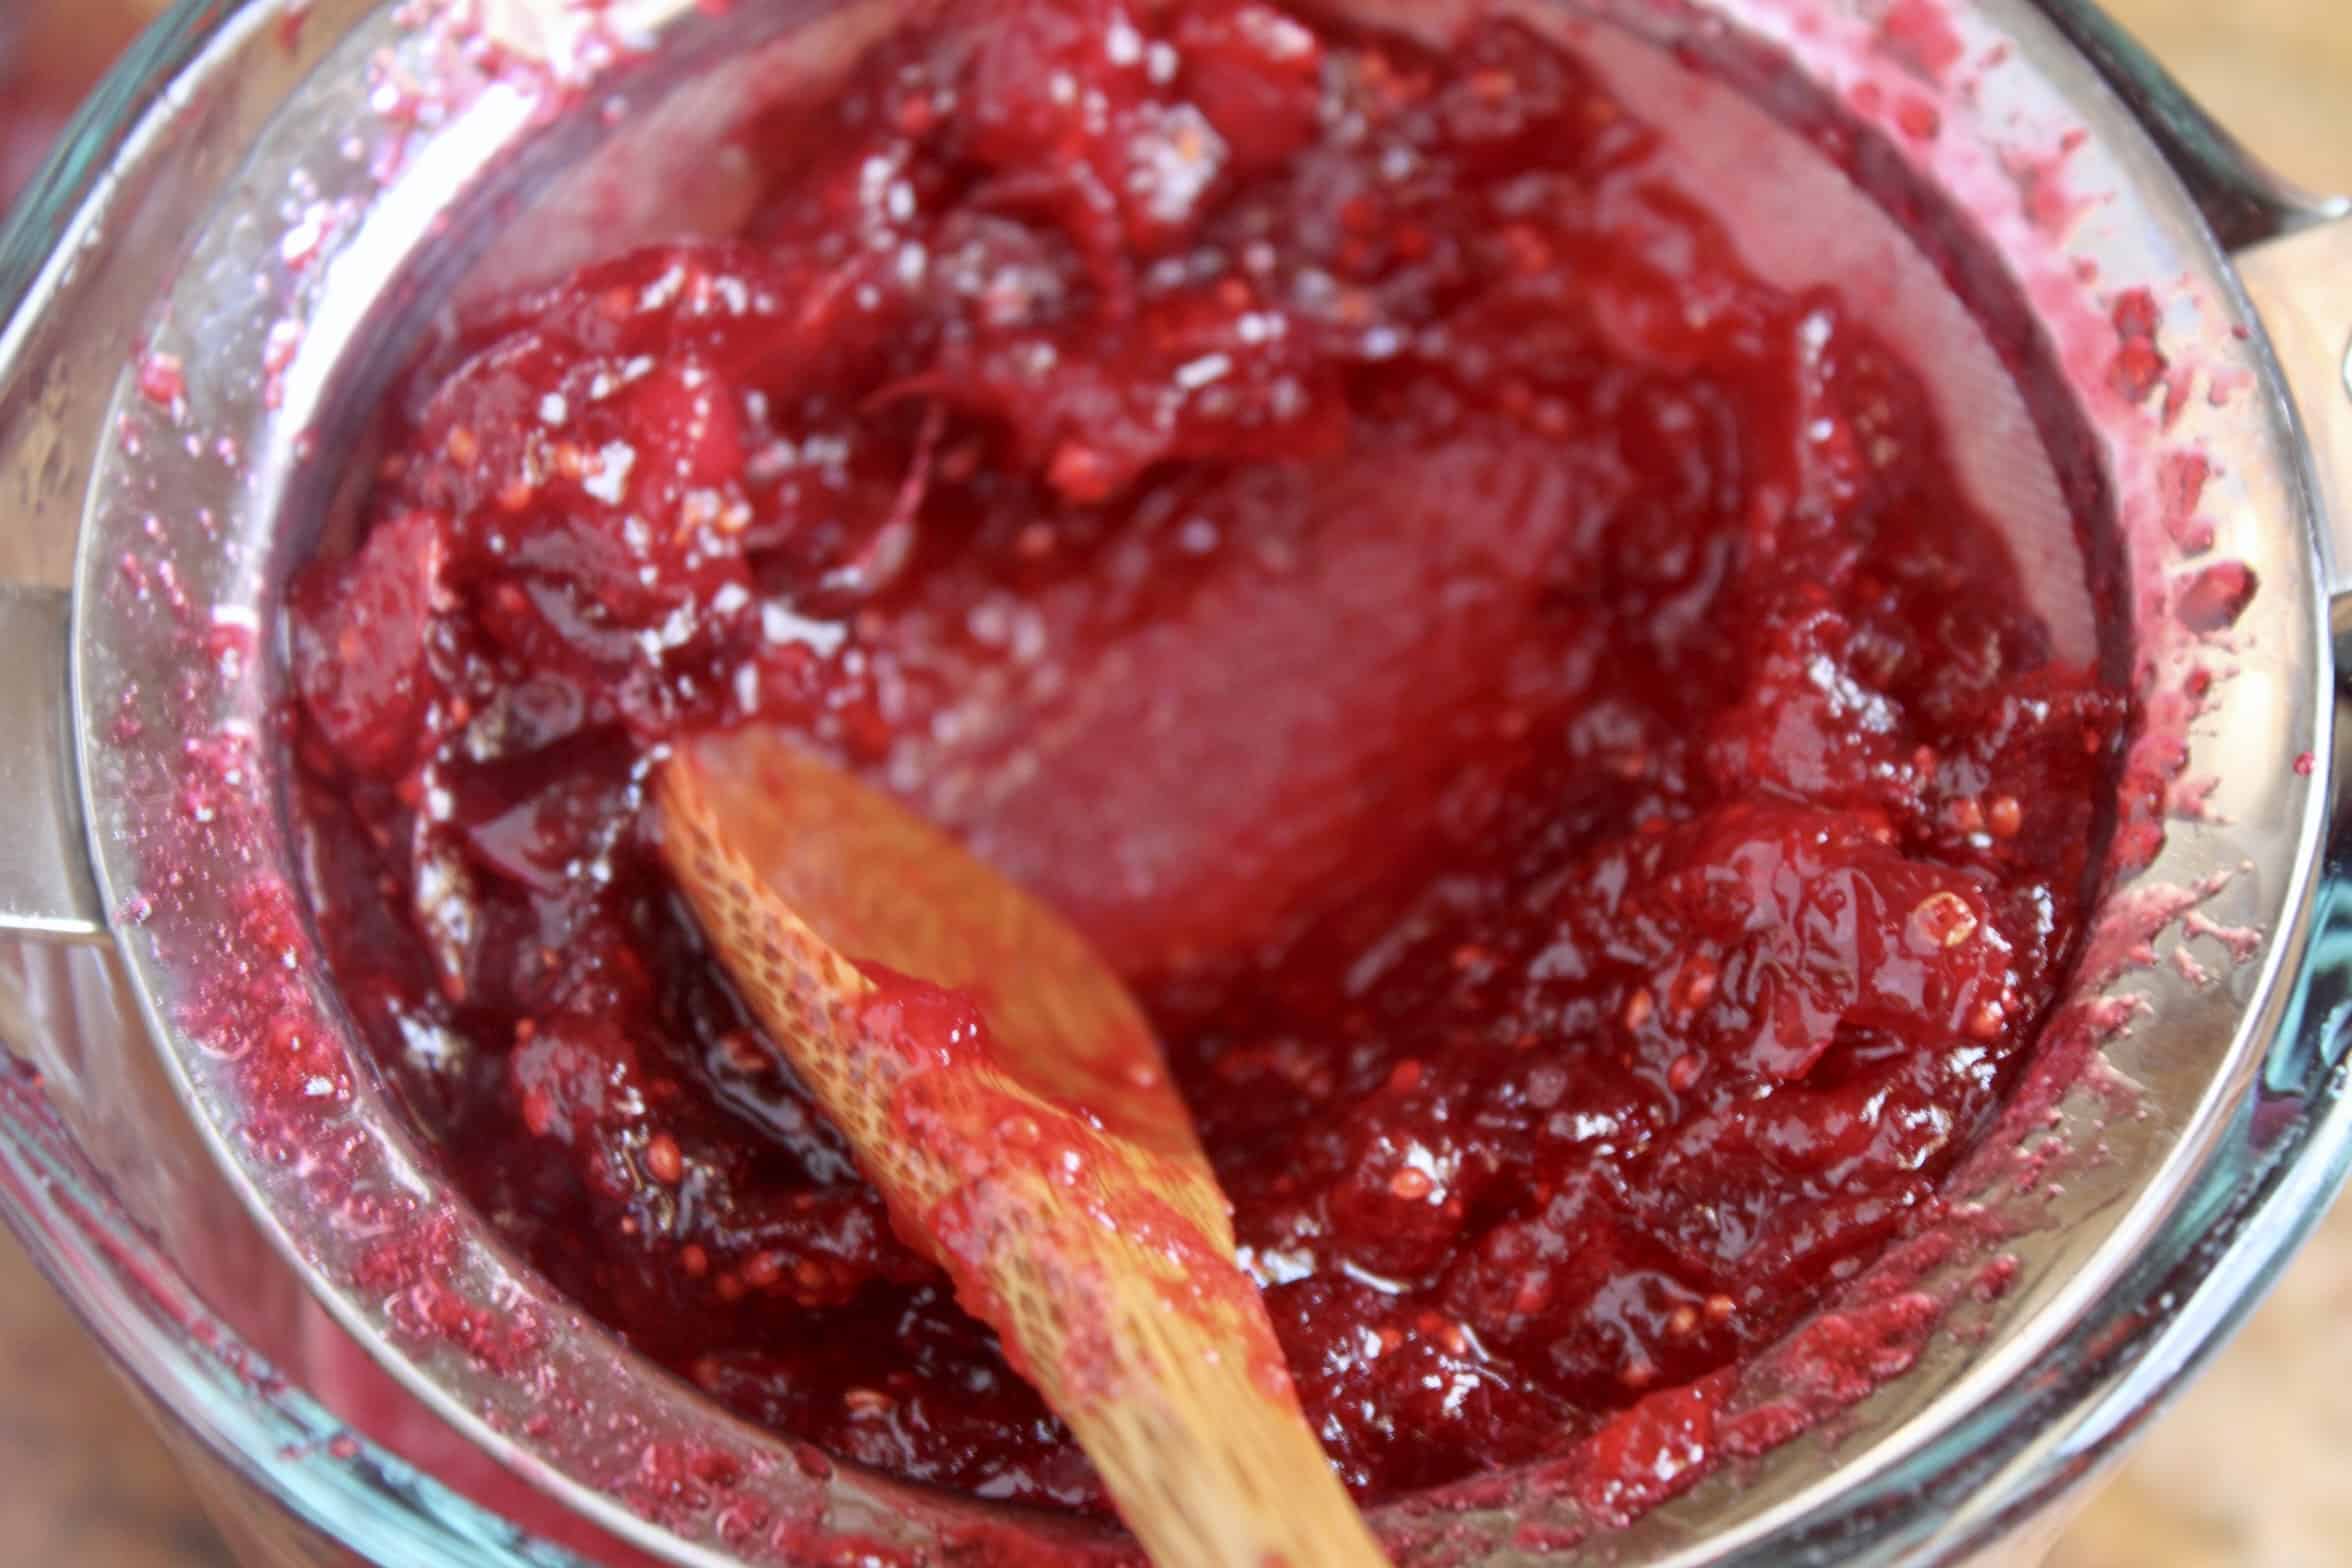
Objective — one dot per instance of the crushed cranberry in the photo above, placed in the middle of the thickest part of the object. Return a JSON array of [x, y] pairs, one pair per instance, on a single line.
[[1527, 705]]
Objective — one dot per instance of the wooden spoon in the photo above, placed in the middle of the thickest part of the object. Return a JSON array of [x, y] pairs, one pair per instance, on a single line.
[[1005, 1093]]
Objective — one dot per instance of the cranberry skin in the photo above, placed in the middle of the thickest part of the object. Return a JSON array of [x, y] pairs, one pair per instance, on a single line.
[[1399, 1208], [361, 636], [1253, 72], [574, 1081]]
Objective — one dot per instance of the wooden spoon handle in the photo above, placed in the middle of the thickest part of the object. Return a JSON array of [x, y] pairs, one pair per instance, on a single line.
[[1208, 1466], [1108, 1271], [1103, 1257]]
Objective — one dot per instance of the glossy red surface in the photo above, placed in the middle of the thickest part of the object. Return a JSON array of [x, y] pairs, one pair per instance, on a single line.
[[1528, 706]]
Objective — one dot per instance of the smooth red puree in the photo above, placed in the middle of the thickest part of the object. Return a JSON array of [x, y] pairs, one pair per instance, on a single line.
[[1528, 706]]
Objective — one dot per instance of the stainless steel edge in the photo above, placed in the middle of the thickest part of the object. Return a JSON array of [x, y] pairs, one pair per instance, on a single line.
[[46, 886], [2244, 200], [2301, 286], [2292, 248]]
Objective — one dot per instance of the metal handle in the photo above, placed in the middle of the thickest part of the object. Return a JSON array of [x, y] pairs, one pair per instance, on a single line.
[[2244, 200], [2301, 286], [46, 886], [2293, 251]]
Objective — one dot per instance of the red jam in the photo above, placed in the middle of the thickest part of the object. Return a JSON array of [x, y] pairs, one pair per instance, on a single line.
[[1528, 706]]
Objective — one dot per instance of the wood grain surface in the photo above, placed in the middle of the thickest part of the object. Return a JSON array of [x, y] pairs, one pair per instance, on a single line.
[[2242, 1474], [87, 1484]]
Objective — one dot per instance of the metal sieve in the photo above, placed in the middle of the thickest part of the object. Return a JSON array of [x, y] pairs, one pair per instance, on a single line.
[[212, 301]]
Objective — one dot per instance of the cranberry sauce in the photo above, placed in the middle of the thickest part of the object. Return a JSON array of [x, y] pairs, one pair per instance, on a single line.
[[1528, 706]]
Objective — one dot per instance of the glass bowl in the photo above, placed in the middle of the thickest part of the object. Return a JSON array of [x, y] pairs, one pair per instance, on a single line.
[[317, 1438]]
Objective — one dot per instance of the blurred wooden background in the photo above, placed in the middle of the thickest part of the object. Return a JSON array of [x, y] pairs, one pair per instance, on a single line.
[[2245, 1473]]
